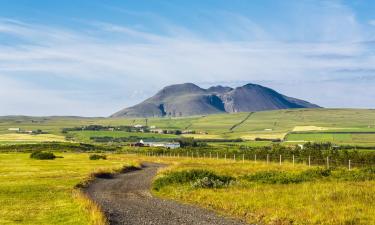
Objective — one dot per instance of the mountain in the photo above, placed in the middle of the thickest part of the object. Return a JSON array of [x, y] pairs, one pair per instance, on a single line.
[[189, 99]]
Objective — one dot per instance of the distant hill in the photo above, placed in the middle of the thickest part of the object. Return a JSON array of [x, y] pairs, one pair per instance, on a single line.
[[189, 99]]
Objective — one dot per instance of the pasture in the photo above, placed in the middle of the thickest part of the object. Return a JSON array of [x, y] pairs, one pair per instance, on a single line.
[[267, 125], [42, 191], [317, 201]]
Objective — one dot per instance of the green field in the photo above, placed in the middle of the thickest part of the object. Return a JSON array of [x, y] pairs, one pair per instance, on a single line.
[[339, 138], [268, 124], [84, 136], [41, 191]]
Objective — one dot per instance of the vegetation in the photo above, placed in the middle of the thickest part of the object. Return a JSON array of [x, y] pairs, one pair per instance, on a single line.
[[56, 146], [197, 178], [40, 191], [273, 194], [262, 125], [258, 192], [97, 157], [42, 155]]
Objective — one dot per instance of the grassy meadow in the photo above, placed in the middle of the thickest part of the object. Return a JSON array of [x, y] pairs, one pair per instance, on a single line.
[[325, 201], [268, 125], [42, 191]]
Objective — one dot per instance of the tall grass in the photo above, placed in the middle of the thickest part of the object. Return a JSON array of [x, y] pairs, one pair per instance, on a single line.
[[92, 209], [279, 195]]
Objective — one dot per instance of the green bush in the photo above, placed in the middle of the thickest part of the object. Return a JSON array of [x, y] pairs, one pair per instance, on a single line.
[[97, 157], [197, 177], [42, 155]]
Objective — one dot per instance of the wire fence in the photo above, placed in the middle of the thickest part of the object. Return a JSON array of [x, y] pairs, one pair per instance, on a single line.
[[327, 162]]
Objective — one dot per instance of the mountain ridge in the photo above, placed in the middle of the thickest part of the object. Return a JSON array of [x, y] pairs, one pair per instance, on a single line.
[[189, 99]]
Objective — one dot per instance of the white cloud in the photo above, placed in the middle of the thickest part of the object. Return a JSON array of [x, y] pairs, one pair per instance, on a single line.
[[106, 66]]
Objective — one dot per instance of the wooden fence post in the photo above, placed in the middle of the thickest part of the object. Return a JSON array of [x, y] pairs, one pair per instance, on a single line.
[[217, 155], [293, 160], [234, 157], [280, 159], [309, 161], [243, 158], [268, 157], [327, 162], [255, 158], [350, 166]]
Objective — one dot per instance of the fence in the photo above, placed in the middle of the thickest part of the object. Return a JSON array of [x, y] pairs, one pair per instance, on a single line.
[[265, 158]]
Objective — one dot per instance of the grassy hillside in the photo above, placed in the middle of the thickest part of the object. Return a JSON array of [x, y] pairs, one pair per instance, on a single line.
[[267, 124]]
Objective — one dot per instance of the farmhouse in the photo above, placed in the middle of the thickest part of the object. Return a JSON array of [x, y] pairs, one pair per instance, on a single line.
[[169, 145], [157, 131], [14, 129]]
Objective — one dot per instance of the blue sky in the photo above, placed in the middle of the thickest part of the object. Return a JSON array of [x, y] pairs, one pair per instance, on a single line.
[[93, 57]]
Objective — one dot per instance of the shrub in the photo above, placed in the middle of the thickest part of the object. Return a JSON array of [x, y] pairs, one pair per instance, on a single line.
[[197, 177], [42, 155], [207, 182], [97, 157]]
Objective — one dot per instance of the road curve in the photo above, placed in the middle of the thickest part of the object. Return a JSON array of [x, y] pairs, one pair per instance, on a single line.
[[126, 199]]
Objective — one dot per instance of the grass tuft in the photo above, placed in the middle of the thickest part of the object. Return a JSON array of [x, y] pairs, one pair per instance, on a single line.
[[197, 177]]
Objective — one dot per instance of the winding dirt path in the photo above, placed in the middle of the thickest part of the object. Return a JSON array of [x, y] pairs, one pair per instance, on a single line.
[[126, 199]]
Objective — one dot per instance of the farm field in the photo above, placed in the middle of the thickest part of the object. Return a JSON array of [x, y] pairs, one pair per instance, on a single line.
[[29, 138], [339, 138], [84, 136], [267, 125], [41, 191]]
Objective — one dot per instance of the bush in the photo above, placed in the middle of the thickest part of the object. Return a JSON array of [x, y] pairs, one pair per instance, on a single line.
[[42, 155], [198, 178], [207, 182], [97, 157]]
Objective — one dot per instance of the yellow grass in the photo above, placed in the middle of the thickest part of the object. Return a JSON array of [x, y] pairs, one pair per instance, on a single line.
[[314, 202], [30, 137], [310, 128], [253, 136], [203, 136]]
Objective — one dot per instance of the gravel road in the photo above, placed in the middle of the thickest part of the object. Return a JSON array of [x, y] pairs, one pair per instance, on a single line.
[[126, 199]]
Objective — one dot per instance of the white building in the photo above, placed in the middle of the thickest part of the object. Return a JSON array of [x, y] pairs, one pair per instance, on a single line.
[[170, 145], [14, 129]]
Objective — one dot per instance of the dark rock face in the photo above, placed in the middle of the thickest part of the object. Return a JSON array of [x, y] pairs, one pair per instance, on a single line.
[[189, 99]]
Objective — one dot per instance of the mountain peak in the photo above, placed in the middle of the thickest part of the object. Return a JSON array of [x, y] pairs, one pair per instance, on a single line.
[[219, 89]]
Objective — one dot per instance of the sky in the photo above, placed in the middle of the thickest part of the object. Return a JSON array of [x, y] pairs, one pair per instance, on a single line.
[[94, 57]]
